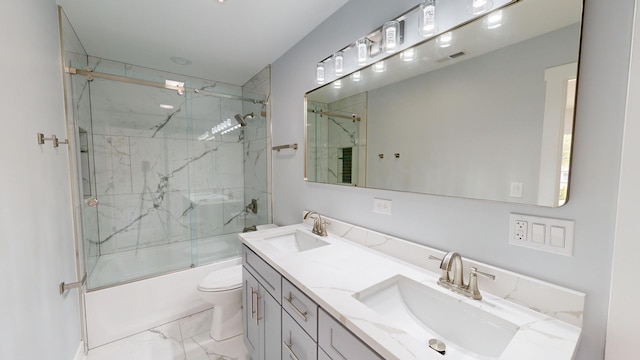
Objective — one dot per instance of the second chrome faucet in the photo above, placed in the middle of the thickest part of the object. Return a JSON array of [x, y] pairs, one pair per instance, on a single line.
[[319, 226], [453, 261]]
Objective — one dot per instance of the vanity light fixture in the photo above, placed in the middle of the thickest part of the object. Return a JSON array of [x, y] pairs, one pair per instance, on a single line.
[[427, 18], [338, 62], [361, 47], [379, 67], [337, 84], [390, 36], [480, 6], [320, 73], [445, 40], [494, 20], [408, 55], [356, 76]]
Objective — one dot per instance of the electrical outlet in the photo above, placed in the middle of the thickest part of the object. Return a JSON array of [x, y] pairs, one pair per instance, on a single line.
[[541, 233], [382, 206], [520, 230]]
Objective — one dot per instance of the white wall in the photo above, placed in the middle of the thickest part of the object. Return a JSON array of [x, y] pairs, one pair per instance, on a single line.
[[478, 229], [624, 314], [36, 234]]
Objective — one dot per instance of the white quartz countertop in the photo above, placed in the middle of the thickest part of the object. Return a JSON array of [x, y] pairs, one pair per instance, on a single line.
[[331, 276]]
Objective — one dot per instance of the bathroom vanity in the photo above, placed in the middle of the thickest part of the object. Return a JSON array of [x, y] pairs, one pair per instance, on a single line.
[[358, 294]]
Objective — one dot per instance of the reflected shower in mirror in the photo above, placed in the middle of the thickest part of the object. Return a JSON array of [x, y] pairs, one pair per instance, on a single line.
[[486, 112]]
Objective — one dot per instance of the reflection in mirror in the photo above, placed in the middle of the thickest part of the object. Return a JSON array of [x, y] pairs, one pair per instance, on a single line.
[[484, 112]]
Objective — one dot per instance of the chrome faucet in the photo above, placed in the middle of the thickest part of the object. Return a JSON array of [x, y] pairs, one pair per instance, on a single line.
[[453, 260], [319, 226]]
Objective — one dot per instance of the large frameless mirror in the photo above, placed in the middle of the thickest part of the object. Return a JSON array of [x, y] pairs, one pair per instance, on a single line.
[[484, 111]]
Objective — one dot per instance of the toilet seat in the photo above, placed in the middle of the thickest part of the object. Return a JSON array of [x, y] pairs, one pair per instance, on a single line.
[[226, 279]]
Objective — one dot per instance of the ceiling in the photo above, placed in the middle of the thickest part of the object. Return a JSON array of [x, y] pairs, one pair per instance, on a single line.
[[228, 42]]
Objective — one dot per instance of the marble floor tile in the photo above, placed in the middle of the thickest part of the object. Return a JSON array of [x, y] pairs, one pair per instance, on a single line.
[[185, 339], [196, 324], [201, 347], [161, 343]]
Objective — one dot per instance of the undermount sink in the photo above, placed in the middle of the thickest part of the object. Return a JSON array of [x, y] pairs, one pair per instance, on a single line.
[[426, 313], [295, 241]]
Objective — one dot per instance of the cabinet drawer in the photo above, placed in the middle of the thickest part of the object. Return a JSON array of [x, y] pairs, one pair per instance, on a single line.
[[296, 343], [301, 308], [339, 343], [266, 275]]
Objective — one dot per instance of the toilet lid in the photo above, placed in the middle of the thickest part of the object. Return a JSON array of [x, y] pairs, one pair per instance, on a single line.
[[224, 279]]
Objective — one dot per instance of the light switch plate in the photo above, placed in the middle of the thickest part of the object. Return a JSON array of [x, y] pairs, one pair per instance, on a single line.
[[547, 234]]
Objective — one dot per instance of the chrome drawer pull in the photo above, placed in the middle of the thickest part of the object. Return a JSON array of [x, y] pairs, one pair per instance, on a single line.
[[253, 311], [300, 313], [290, 350]]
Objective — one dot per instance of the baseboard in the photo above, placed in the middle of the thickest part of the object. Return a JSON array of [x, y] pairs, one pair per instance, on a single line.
[[80, 355]]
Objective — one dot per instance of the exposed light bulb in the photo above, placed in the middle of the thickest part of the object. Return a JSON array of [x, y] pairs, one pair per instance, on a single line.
[[338, 62], [320, 73], [391, 33], [361, 47], [427, 18]]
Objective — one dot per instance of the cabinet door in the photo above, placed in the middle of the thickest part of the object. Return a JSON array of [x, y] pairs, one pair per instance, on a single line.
[[250, 299], [270, 325], [339, 343]]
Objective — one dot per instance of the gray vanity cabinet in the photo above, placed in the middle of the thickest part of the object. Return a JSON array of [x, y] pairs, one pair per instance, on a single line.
[[282, 322], [296, 343], [261, 313], [338, 343]]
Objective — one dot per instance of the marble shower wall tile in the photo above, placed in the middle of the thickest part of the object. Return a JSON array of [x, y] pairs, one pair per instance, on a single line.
[[134, 110], [234, 213], [205, 214], [157, 184], [229, 168], [262, 217], [159, 164], [112, 162], [142, 220], [255, 164]]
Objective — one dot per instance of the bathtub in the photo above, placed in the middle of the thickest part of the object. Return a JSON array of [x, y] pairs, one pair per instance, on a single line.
[[116, 312], [126, 266]]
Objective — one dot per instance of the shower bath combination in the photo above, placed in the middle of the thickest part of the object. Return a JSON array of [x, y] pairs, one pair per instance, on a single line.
[[242, 120]]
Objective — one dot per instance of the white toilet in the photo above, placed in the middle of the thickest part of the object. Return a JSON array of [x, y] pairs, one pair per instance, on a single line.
[[223, 289]]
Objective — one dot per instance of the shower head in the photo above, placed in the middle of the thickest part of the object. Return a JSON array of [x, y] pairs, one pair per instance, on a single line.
[[242, 120]]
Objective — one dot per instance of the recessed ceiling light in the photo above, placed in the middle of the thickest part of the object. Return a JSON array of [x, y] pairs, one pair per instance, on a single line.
[[220, 1], [180, 60], [165, 106]]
